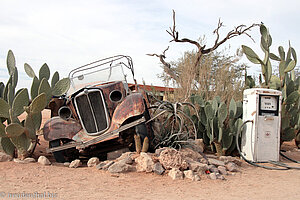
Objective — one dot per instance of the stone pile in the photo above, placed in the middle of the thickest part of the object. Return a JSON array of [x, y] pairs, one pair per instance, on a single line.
[[178, 164]]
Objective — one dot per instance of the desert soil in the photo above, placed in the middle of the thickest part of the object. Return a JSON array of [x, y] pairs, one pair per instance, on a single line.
[[61, 182]]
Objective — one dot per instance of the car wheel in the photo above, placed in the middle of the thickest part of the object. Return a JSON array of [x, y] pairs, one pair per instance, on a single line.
[[66, 155], [58, 155]]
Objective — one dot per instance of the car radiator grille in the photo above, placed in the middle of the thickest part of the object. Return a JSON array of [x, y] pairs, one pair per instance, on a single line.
[[92, 111]]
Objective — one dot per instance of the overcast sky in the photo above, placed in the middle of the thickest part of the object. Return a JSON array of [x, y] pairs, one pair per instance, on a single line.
[[69, 33]]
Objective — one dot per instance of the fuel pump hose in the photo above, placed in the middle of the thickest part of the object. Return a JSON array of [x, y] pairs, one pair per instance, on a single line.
[[281, 166]]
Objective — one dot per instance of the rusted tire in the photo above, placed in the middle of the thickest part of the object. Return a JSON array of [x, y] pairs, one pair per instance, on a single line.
[[58, 155], [62, 156]]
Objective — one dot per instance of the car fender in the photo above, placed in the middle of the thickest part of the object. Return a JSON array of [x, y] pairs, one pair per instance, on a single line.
[[57, 128], [132, 105]]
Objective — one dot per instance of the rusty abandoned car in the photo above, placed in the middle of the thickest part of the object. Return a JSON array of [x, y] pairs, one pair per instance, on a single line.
[[99, 113]]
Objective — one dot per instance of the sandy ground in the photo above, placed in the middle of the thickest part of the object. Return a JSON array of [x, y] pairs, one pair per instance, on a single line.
[[59, 182]]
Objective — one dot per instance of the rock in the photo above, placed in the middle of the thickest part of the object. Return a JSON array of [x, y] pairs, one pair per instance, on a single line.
[[75, 163], [108, 164], [175, 174], [212, 156], [158, 151], [100, 165], [189, 174], [29, 160], [222, 170], [66, 164], [213, 169], [25, 161], [200, 144], [228, 159], [171, 158], [198, 167], [215, 162], [17, 160], [126, 158], [5, 157], [44, 161], [93, 162], [197, 177], [220, 176], [120, 167], [126, 155], [213, 176], [144, 163], [232, 167], [189, 153], [204, 161], [158, 168], [116, 154]]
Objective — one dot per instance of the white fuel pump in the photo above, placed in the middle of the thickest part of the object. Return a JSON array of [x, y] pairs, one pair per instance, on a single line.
[[261, 138]]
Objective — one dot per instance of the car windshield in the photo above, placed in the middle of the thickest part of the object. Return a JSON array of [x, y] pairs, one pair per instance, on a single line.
[[94, 76]]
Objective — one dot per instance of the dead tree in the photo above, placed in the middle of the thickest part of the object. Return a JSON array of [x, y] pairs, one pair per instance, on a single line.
[[166, 66], [201, 49]]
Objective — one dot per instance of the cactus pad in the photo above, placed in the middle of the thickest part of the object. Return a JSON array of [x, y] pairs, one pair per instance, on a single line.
[[44, 72], [11, 62], [222, 113], [45, 88], [34, 91], [281, 53], [7, 146], [293, 97], [290, 66], [22, 143], [29, 71], [61, 87], [14, 130], [263, 31], [209, 111], [10, 94], [54, 79], [21, 100], [274, 57], [38, 103], [289, 134], [4, 108], [30, 127], [2, 130], [251, 55], [232, 108], [2, 86]]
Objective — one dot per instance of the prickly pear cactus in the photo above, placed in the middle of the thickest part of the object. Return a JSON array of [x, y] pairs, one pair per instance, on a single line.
[[218, 123], [13, 133], [41, 84], [286, 81]]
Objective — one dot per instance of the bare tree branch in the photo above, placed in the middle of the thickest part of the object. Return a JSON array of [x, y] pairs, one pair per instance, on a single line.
[[201, 49], [174, 34], [239, 30], [166, 65]]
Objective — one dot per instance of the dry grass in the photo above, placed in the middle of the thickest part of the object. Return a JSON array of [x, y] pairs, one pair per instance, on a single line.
[[217, 75]]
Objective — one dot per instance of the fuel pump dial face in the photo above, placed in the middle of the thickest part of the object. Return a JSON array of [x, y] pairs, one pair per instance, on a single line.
[[268, 103]]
